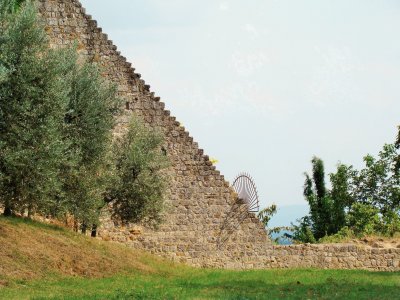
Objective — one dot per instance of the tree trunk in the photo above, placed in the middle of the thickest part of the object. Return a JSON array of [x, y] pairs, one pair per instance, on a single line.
[[75, 225], [94, 230], [7, 210], [84, 227], [30, 211]]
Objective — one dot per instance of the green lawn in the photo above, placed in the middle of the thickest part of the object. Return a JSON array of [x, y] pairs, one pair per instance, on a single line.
[[187, 283]]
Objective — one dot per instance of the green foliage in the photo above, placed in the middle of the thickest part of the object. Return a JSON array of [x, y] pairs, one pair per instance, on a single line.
[[378, 184], [33, 100], [391, 223], [56, 119], [341, 196], [9, 6], [363, 218], [140, 185], [89, 120], [303, 231], [266, 214], [365, 201], [344, 234], [319, 200]]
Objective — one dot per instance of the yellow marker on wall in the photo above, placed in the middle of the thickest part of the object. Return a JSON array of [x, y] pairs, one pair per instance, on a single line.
[[214, 161]]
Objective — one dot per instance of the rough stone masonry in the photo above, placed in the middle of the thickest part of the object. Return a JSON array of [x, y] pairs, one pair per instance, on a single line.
[[205, 225]]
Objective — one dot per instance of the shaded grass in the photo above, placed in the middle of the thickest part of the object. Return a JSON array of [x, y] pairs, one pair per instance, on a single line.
[[128, 274]]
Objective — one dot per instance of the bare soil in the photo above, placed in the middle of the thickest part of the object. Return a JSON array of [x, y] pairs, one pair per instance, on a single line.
[[378, 242]]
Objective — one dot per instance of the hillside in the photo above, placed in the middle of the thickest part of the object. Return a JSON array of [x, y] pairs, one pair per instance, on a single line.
[[40, 261], [31, 250]]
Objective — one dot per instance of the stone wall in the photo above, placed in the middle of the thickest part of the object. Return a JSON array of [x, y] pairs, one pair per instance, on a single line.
[[203, 219], [334, 256], [205, 224]]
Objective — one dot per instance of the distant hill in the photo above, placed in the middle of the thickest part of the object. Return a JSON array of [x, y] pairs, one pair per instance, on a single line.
[[288, 214], [284, 217]]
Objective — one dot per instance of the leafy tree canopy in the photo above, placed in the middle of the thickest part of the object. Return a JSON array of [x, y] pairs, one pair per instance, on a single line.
[[364, 201]]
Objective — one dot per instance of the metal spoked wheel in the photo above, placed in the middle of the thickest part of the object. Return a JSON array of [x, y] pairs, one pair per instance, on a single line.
[[246, 189]]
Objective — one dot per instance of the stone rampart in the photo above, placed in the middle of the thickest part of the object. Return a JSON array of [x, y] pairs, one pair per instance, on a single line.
[[203, 216], [205, 224], [334, 256]]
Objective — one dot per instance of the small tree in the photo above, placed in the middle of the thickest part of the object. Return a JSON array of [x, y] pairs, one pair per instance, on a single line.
[[89, 120], [139, 191], [378, 184]]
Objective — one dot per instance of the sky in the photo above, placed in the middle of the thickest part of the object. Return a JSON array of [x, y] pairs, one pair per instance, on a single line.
[[264, 85]]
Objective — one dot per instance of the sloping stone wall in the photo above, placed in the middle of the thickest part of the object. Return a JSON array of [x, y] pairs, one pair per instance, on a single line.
[[204, 219], [205, 224]]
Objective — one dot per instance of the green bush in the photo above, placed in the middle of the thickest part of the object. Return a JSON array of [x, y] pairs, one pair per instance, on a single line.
[[363, 219], [342, 235], [303, 232], [390, 224]]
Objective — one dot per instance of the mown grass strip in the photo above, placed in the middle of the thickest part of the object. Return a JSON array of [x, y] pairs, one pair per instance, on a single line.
[[216, 284]]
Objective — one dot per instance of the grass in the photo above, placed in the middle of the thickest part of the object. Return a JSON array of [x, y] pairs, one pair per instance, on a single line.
[[187, 283], [128, 274]]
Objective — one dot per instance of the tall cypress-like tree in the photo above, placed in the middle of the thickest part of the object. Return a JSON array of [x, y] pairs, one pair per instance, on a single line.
[[327, 207], [341, 196], [316, 195], [33, 99]]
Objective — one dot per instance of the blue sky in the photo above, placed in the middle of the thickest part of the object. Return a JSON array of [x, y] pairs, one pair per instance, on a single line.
[[264, 85]]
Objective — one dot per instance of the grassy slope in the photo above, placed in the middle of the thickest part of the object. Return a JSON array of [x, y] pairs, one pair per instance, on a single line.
[[41, 261]]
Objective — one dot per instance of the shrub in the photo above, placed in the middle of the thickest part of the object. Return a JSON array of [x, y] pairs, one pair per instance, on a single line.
[[303, 232], [363, 218], [344, 234]]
